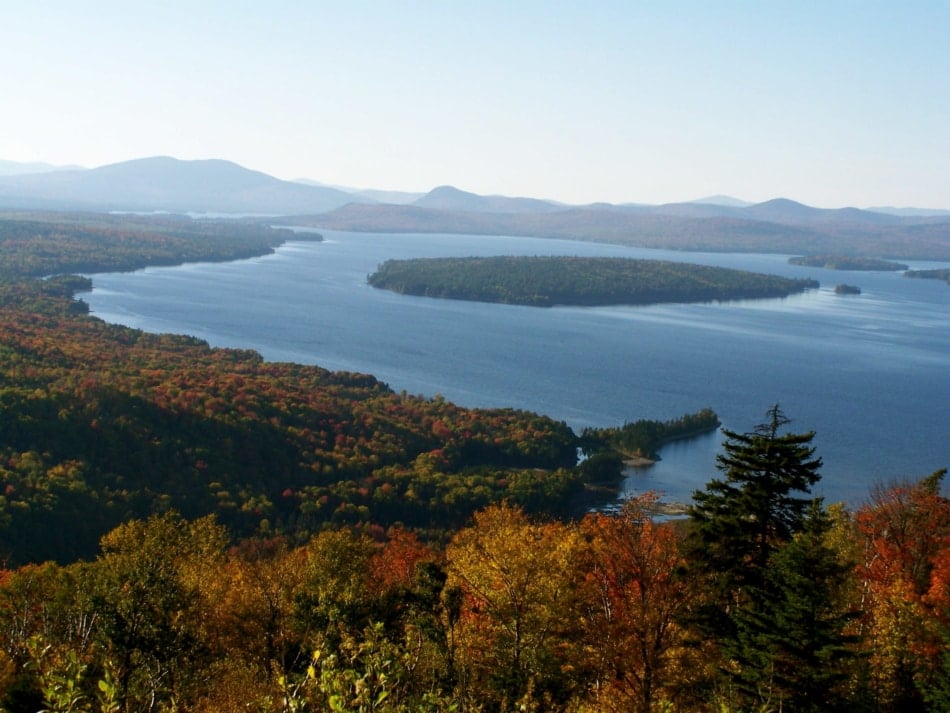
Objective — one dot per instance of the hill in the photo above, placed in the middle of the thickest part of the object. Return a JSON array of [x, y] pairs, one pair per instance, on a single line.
[[451, 198], [16, 168], [790, 230], [162, 183]]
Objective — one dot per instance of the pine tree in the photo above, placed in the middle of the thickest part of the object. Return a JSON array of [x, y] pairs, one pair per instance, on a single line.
[[739, 520], [791, 647]]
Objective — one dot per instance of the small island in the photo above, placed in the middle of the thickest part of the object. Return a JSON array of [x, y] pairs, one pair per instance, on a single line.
[[582, 281], [847, 290], [847, 262]]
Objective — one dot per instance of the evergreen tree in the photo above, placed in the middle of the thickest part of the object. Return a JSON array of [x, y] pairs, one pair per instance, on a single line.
[[737, 523], [740, 519], [791, 648]]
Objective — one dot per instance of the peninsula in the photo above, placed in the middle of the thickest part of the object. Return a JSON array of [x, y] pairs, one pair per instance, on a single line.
[[548, 281]]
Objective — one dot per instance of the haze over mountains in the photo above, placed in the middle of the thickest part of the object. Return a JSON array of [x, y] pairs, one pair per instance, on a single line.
[[713, 223]]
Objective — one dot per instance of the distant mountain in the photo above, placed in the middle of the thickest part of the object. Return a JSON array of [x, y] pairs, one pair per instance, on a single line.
[[795, 229], [374, 195], [722, 200], [169, 184], [911, 212], [783, 210], [15, 168], [451, 198]]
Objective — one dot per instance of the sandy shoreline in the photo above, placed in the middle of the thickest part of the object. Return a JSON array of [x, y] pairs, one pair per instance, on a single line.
[[638, 462]]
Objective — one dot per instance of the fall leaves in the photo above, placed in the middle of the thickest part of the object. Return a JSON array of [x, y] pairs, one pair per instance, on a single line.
[[513, 613]]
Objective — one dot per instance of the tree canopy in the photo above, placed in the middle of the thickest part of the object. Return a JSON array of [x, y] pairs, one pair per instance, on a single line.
[[548, 281]]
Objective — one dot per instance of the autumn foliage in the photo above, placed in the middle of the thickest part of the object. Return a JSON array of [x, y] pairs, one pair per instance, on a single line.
[[193, 529]]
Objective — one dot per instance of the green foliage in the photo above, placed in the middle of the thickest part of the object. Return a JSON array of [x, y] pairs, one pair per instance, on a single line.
[[548, 281], [739, 520], [770, 578], [645, 437], [146, 591], [792, 647]]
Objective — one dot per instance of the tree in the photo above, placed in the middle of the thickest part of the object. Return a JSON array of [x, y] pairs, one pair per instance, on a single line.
[[634, 598], [148, 590], [905, 575], [517, 577], [792, 643], [738, 521]]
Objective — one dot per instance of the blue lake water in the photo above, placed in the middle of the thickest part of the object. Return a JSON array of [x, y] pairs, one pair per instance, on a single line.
[[869, 373]]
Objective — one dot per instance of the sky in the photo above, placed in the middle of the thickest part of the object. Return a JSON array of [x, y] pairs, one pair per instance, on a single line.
[[830, 103]]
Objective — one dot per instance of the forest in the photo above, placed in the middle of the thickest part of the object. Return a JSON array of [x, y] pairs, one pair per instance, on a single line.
[[761, 599], [547, 281], [194, 529], [40, 244], [645, 437]]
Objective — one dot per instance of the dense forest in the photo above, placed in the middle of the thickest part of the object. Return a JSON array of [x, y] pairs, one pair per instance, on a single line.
[[38, 244], [548, 281], [762, 599], [847, 262], [102, 423], [194, 529]]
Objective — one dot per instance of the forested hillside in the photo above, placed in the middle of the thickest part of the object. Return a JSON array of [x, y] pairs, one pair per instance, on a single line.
[[38, 244], [742, 231], [228, 534], [764, 599], [102, 423]]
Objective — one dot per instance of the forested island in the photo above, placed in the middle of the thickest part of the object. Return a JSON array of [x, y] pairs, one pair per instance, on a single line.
[[185, 528], [847, 262], [546, 281], [843, 289], [939, 274]]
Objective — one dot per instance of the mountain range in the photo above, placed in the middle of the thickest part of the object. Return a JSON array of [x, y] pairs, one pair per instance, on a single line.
[[167, 184], [164, 184]]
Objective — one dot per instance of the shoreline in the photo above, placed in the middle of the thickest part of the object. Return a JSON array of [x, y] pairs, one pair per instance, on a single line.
[[638, 462]]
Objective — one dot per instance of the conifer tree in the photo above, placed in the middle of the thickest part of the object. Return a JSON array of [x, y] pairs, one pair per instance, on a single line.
[[738, 522], [759, 504], [791, 647]]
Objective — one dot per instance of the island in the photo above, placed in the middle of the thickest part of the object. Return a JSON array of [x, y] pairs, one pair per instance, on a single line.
[[938, 274], [847, 262], [546, 281], [847, 290]]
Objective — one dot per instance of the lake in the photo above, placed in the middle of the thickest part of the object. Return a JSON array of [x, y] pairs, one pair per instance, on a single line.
[[869, 373]]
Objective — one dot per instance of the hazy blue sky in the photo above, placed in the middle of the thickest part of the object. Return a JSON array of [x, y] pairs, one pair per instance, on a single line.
[[830, 103]]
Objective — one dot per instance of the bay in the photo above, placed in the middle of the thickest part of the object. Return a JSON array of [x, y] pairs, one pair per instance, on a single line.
[[868, 373]]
